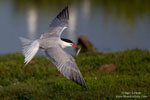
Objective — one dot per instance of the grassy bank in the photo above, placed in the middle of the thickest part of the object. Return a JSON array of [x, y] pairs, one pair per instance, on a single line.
[[40, 80]]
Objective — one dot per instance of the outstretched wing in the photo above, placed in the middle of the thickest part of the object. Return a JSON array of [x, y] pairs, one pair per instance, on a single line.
[[65, 64], [59, 23]]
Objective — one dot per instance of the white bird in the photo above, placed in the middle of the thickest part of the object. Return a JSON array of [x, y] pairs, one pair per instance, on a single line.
[[53, 46]]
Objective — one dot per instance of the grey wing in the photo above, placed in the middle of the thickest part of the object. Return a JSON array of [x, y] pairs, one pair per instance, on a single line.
[[59, 23], [65, 64]]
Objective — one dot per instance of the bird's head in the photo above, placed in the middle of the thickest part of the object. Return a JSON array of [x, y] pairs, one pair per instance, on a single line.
[[68, 43]]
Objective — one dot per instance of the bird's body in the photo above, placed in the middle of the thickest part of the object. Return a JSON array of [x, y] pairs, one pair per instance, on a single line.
[[53, 47], [49, 42]]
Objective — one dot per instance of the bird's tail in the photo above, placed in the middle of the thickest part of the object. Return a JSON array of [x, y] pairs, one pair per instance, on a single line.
[[29, 49]]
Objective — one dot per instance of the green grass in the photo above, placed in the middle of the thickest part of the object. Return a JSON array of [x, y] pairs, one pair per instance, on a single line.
[[40, 80]]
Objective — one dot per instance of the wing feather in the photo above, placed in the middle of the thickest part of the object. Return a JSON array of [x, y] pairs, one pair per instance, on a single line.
[[65, 64], [58, 25]]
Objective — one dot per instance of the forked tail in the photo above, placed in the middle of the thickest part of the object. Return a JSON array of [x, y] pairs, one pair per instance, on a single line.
[[29, 49]]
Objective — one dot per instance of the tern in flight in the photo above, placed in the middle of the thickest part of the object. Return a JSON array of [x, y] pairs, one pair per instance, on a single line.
[[53, 47]]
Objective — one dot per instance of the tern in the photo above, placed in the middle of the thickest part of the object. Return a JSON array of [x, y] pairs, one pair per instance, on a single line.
[[53, 47]]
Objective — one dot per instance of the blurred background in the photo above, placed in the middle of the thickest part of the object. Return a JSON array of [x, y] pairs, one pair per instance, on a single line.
[[111, 25]]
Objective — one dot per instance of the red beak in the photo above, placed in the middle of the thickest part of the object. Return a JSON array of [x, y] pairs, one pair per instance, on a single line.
[[74, 45]]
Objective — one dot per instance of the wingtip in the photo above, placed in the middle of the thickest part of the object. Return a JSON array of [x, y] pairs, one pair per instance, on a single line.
[[82, 82], [66, 7], [64, 14], [84, 86]]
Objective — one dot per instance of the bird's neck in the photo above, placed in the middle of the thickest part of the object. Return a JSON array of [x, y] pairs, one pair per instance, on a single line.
[[65, 44]]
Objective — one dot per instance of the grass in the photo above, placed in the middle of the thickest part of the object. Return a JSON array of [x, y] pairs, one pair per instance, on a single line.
[[40, 80]]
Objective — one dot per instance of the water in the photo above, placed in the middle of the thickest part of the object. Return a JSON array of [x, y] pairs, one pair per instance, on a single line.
[[111, 25]]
